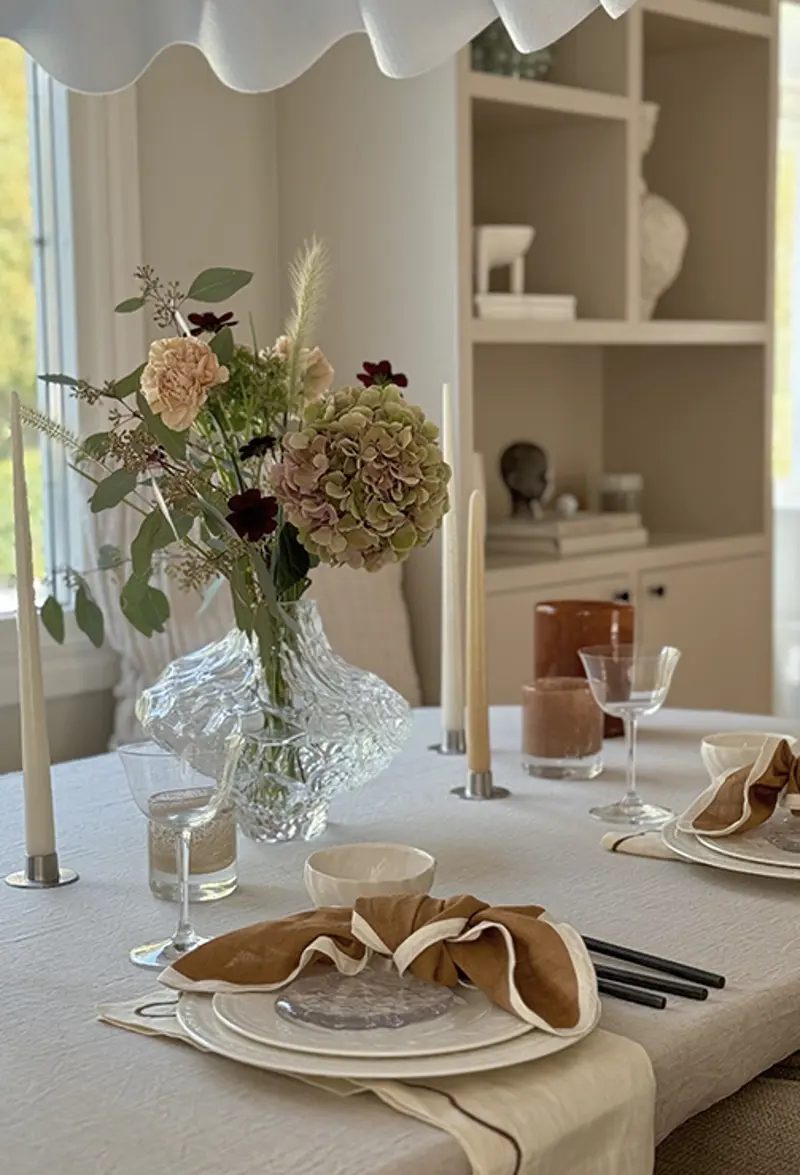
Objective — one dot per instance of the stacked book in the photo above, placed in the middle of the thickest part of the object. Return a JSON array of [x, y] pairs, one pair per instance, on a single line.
[[583, 534], [537, 307]]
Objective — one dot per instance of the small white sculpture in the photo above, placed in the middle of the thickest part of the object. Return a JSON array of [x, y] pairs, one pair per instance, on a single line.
[[567, 505], [502, 244], [664, 233]]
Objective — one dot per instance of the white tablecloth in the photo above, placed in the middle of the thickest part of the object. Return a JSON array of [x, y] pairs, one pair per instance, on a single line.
[[77, 1097]]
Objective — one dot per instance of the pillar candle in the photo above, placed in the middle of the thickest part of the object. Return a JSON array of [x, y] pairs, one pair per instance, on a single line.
[[478, 753], [39, 828], [452, 667]]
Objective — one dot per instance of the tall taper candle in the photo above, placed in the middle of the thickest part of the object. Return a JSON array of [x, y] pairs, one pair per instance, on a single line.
[[479, 757], [39, 828], [452, 679]]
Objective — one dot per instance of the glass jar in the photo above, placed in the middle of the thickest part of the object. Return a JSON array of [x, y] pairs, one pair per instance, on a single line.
[[621, 493], [213, 871], [562, 729], [562, 627]]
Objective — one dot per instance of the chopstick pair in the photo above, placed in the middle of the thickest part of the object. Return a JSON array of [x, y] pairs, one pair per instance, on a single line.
[[636, 988]]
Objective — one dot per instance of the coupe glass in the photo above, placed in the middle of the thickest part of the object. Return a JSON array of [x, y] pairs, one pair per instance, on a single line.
[[630, 685], [179, 794]]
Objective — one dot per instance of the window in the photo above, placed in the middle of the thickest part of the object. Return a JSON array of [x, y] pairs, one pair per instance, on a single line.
[[786, 391], [37, 325]]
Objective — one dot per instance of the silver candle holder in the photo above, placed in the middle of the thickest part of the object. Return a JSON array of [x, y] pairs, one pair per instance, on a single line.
[[41, 872], [480, 786], [454, 742]]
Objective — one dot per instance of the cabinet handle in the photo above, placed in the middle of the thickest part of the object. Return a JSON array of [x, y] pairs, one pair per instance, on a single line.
[[622, 597], [659, 591]]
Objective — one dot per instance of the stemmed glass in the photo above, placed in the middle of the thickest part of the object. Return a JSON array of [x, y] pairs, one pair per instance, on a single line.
[[180, 794], [629, 685]]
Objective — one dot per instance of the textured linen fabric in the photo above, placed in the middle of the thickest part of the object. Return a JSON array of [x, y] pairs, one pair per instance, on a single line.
[[77, 1097], [104, 45], [589, 1112]]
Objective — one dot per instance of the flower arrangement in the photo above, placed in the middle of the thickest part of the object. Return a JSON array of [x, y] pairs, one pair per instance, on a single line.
[[244, 464]]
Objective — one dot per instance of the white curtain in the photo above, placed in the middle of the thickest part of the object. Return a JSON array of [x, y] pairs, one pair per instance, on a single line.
[[100, 46]]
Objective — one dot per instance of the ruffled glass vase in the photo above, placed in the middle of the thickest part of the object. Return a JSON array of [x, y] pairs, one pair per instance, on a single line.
[[314, 725]]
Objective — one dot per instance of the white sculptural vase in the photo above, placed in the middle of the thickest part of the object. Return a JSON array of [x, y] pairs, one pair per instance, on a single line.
[[664, 234]]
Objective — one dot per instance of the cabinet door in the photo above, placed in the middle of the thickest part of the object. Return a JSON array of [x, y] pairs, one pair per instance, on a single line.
[[718, 615], [509, 630]]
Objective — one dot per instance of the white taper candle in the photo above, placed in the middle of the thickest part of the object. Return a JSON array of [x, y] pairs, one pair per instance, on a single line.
[[452, 667], [39, 826], [479, 756]]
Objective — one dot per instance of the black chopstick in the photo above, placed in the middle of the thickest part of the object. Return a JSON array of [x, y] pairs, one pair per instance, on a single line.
[[655, 963], [631, 995], [690, 991]]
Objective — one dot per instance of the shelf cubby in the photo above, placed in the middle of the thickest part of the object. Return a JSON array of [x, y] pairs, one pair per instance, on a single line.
[[569, 181]]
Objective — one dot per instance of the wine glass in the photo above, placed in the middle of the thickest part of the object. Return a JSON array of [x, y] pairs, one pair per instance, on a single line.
[[180, 794], [629, 685]]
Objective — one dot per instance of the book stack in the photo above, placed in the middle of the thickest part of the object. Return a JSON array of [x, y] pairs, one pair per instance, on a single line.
[[584, 534], [536, 307]]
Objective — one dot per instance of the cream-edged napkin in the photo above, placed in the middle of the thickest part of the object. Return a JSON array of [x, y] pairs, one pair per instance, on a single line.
[[586, 1111], [523, 961], [745, 797]]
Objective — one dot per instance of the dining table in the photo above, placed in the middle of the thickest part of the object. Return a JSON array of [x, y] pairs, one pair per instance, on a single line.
[[81, 1098]]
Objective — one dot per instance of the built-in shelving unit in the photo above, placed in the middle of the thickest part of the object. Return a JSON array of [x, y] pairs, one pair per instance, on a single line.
[[399, 175]]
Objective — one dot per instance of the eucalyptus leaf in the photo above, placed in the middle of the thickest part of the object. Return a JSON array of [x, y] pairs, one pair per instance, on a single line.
[[135, 617], [64, 381], [129, 383], [108, 557], [129, 305], [88, 617], [240, 595], [156, 532], [174, 443], [216, 285], [112, 490], [134, 590], [96, 445], [222, 345], [52, 616], [292, 561]]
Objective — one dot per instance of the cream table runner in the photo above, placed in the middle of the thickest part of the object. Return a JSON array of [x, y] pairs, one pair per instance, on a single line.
[[77, 1097], [588, 1111]]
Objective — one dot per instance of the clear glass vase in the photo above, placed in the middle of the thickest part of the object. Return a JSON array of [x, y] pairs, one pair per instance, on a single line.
[[314, 725]]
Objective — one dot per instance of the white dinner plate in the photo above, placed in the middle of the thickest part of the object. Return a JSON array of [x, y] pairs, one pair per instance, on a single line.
[[197, 1017], [751, 846], [689, 847], [474, 1022]]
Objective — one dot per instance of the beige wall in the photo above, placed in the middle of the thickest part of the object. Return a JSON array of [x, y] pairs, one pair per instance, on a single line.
[[208, 197]]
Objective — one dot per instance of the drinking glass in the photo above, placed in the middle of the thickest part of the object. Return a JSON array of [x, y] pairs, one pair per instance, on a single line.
[[630, 685], [179, 794]]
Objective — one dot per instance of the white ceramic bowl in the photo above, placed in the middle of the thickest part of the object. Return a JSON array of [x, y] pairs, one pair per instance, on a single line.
[[339, 875], [728, 752]]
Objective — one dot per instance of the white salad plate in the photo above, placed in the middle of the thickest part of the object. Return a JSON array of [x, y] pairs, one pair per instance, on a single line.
[[751, 846], [690, 848], [474, 1022], [197, 1017]]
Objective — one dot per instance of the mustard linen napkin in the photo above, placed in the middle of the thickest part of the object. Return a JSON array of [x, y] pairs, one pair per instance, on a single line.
[[586, 1111], [534, 968], [746, 797]]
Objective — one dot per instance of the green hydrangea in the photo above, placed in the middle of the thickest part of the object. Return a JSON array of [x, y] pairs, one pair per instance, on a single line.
[[363, 478]]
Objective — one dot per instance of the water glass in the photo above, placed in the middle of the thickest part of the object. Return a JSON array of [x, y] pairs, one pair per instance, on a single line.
[[180, 795]]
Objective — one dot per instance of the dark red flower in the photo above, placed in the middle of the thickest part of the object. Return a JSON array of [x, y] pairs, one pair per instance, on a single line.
[[257, 447], [210, 323], [252, 515], [380, 375]]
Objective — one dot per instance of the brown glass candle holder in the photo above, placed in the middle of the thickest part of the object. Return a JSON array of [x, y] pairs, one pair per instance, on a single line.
[[562, 729], [562, 627]]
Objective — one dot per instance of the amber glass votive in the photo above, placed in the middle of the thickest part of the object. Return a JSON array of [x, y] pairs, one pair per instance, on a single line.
[[562, 729], [562, 627]]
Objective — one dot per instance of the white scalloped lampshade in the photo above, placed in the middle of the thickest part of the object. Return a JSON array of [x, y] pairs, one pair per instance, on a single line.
[[99, 46]]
